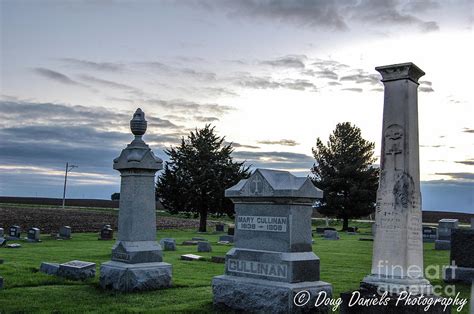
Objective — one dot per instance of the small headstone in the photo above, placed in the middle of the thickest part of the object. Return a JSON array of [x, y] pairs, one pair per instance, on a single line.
[[168, 244], [14, 232], [231, 230], [220, 227], [65, 232], [352, 230], [106, 233], [49, 268], [462, 255], [198, 239], [226, 238], [429, 234], [76, 270], [320, 230], [331, 235], [191, 257], [14, 246], [445, 226], [204, 246], [190, 242], [218, 259], [33, 235]]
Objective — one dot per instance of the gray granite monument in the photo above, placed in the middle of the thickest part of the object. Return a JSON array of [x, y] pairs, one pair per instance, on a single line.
[[462, 257], [65, 232], [33, 235], [429, 234], [397, 261], [272, 259], [445, 227], [137, 262]]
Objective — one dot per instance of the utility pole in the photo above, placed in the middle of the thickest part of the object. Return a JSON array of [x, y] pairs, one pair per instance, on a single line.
[[68, 168]]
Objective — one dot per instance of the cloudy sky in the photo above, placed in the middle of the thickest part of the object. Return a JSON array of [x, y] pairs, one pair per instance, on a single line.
[[271, 75]]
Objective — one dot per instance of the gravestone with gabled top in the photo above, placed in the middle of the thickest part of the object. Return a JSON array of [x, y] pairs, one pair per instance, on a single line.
[[137, 259], [272, 259]]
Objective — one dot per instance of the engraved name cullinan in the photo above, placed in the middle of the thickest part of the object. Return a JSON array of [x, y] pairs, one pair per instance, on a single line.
[[257, 268], [262, 223]]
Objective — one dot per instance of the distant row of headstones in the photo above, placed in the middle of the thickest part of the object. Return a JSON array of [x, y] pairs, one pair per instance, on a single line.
[[33, 234]]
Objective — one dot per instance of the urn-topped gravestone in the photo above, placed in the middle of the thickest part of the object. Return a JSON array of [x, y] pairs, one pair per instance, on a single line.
[[137, 262], [272, 259]]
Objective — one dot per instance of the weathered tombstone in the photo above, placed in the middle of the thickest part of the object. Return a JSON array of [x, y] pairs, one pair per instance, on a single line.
[[272, 259], [49, 268], [397, 261], [204, 246], [33, 235], [445, 226], [191, 257], [106, 233], [231, 230], [462, 257], [168, 244], [226, 238], [76, 270], [330, 235], [218, 259], [65, 232], [14, 233], [429, 234], [137, 259], [220, 227]]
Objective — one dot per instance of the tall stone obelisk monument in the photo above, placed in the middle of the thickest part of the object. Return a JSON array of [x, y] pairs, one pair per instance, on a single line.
[[137, 262], [397, 262]]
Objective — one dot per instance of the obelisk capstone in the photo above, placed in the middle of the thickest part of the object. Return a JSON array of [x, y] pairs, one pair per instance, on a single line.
[[137, 262], [397, 262]]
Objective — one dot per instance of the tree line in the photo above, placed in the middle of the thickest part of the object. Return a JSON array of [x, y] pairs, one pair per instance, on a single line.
[[201, 168]]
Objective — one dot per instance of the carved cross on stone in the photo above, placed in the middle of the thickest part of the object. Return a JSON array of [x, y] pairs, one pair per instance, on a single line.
[[257, 186]]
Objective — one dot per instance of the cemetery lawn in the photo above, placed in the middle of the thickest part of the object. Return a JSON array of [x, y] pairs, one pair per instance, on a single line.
[[343, 264]]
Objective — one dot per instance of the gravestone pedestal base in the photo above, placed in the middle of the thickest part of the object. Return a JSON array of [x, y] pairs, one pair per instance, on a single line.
[[396, 285], [458, 274], [442, 245], [378, 305], [258, 295], [135, 277]]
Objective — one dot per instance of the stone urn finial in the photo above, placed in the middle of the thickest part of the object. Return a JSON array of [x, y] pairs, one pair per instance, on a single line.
[[138, 123]]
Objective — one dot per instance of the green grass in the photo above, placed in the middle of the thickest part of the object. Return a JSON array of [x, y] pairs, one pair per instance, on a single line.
[[343, 263]]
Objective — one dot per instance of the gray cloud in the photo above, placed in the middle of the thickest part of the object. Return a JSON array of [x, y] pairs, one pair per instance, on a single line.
[[205, 119], [336, 15], [265, 82], [387, 12], [426, 89], [290, 61], [458, 175], [56, 76], [98, 66], [238, 145], [326, 73], [334, 83], [107, 83], [353, 89], [468, 130], [362, 77], [418, 6], [469, 162], [283, 142], [162, 67]]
